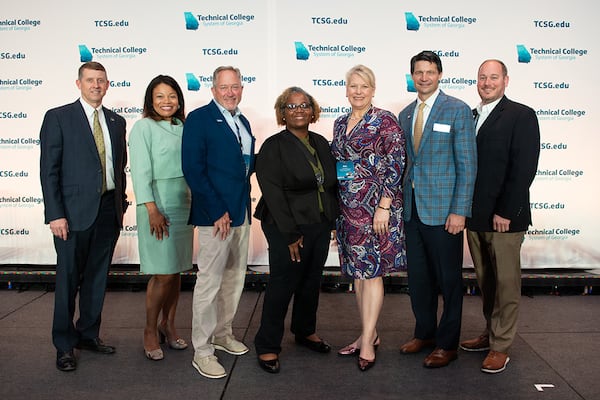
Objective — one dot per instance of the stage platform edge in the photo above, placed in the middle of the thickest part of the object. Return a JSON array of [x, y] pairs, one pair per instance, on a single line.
[[128, 276]]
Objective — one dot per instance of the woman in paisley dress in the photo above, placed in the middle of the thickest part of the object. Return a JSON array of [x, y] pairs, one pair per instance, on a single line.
[[369, 144]]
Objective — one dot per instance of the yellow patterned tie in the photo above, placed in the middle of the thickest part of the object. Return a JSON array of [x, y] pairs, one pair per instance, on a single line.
[[418, 131], [99, 138]]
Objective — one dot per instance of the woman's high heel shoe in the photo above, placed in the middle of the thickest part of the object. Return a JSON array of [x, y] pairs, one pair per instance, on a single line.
[[376, 343], [352, 350], [177, 344], [364, 364], [349, 350], [154, 355]]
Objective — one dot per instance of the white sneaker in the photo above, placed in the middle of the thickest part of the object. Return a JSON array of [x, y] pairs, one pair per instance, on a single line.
[[230, 345], [209, 367]]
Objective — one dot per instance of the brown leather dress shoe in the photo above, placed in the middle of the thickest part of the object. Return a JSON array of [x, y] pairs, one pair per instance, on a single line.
[[495, 362], [439, 358], [480, 343], [416, 345]]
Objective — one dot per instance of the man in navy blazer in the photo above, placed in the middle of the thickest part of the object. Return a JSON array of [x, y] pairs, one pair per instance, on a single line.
[[84, 203], [508, 148], [217, 161], [439, 180]]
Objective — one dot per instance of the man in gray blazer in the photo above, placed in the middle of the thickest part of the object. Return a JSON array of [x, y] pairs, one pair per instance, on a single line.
[[438, 189], [82, 172], [508, 148]]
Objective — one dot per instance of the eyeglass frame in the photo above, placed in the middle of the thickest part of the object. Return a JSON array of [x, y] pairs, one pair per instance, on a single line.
[[294, 107]]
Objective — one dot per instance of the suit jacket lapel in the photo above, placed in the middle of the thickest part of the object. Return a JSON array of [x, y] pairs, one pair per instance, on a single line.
[[221, 121], [409, 129], [436, 109], [115, 140], [494, 115]]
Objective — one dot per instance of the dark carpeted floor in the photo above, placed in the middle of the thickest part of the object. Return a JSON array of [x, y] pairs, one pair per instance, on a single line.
[[556, 347]]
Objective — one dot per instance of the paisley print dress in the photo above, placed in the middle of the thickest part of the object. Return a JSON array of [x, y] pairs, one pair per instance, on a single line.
[[376, 146]]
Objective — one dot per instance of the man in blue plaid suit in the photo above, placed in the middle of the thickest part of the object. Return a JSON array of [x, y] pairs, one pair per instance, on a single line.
[[439, 181]]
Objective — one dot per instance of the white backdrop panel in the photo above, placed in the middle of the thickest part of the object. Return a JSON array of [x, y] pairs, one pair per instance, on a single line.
[[310, 44]]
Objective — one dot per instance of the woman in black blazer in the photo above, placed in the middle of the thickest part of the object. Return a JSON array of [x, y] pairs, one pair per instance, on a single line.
[[297, 178]]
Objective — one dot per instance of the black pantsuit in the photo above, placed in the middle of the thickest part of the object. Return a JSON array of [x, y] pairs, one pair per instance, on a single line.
[[289, 210], [288, 278]]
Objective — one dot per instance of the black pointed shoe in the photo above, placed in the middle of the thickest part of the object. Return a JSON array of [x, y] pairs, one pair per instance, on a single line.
[[320, 346], [271, 366]]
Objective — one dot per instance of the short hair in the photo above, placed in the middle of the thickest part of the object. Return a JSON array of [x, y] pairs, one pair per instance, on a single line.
[[502, 65], [149, 110], [282, 99], [225, 68], [364, 72], [96, 66], [426, 55]]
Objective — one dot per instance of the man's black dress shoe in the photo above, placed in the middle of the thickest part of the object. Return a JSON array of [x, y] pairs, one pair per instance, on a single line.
[[271, 366], [320, 347], [95, 345], [65, 361]]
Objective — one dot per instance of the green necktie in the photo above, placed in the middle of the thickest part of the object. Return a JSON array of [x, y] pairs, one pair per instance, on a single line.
[[99, 138]]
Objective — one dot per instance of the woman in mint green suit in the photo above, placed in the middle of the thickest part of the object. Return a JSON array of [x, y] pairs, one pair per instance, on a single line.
[[163, 201]]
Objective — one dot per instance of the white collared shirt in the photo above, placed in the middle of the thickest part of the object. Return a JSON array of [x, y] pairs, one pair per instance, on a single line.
[[89, 113], [483, 110], [236, 125], [235, 122]]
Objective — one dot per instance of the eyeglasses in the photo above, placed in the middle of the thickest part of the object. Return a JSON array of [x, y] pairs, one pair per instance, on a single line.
[[301, 106], [225, 88]]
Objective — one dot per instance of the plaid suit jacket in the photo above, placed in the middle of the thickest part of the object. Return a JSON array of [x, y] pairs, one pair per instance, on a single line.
[[444, 169]]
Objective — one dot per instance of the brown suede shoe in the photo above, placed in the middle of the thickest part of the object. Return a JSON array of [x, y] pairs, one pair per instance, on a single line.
[[480, 343], [440, 358], [416, 345], [495, 362]]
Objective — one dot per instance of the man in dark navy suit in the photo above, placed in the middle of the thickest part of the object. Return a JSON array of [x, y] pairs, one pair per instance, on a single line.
[[217, 160], [508, 148], [82, 172]]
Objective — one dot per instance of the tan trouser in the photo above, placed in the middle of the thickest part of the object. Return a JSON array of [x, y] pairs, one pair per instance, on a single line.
[[219, 284], [496, 257]]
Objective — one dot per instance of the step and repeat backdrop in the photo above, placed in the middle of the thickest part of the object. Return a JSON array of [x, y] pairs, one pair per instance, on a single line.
[[550, 52]]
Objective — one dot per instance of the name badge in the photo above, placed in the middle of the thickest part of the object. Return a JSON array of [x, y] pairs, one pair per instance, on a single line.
[[444, 128], [345, 170]]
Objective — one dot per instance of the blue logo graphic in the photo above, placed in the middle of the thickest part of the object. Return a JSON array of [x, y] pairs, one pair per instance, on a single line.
[[85, 54], [523, 55], [410, 84], [412, 24], [191, 23], [192, 82], [301, 51]]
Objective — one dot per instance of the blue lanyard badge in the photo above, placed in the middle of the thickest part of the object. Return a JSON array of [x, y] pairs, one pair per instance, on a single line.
[[345, 170]]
